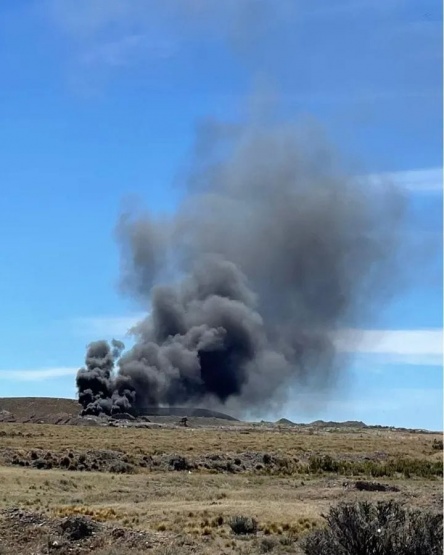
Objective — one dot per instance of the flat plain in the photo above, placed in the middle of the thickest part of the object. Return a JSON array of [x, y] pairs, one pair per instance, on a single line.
[[163, 488]]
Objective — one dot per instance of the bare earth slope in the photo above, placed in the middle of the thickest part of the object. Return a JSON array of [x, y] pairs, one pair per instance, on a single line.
[[38, 408]]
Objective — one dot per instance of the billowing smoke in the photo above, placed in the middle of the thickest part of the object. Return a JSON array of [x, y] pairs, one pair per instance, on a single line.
[[272, 251]]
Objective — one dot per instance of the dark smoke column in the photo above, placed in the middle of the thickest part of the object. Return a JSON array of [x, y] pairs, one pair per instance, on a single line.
[[276, 252], [95, 382]]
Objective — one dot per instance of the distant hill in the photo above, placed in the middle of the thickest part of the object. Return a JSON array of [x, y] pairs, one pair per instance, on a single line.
[[285, 422], [324, 424], [54, 411], [38, 408], [346, 424]]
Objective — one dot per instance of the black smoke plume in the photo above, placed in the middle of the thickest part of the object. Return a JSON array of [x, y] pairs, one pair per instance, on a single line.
[[272, 252]]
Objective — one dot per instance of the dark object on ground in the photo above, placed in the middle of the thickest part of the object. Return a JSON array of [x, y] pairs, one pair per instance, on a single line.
[[180, 463], [363, 485], [184, 421], [385, 528], [242, 525], [78, 527]]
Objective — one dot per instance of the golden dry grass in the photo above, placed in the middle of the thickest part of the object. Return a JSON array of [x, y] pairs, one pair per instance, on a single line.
[[177, 502], [199, 505], [199, 441]]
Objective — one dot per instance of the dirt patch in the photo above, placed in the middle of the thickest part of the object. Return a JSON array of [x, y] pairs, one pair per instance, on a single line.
[[28, 532]]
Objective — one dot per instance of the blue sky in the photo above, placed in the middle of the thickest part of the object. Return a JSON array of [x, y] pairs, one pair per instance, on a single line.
[[99, 100]]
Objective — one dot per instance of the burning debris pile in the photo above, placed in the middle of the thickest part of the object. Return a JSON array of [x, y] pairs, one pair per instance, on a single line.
[[269, 255]]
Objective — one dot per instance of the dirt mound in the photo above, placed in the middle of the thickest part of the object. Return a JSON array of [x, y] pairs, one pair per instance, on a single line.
[[78, 527], [28, 532]]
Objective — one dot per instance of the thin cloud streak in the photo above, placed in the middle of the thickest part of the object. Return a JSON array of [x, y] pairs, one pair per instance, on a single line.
[[38, 374], [384, 347], [427, 180], [391, 342], [422, 347]]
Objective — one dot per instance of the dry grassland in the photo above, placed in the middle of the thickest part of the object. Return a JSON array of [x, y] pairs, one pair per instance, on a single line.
[[193, 508], [286, 441]]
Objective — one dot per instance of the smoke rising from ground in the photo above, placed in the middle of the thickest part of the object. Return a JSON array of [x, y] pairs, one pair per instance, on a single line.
[[272, 251]]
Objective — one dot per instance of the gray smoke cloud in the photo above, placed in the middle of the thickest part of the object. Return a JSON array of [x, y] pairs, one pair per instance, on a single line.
[[272, 251]]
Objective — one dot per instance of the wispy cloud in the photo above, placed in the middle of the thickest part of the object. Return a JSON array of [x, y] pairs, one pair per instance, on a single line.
[[125, 51], [390, 346], [37, 374], [428, 180], [419, 347]]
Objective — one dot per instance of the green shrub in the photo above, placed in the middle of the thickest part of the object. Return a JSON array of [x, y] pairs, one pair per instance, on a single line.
[[385, 528]]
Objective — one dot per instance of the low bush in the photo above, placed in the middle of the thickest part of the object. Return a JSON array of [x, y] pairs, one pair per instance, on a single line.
[[437, 445], [179, 463], [242, 525], [385, 528], [267, 545], [404, 466], [362, 485]]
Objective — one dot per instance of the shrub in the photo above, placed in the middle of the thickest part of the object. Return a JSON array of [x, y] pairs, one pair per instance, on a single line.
[[437, 444], [39, 463], [407, 467], [179, 463], [120, 467], [242, 525], [267, 545], [385, 528], [65, 462], [362, 485]]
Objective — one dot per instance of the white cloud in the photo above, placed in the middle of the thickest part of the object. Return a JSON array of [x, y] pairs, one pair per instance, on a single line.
[[38, 374], [420, 347], [427, 180]]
